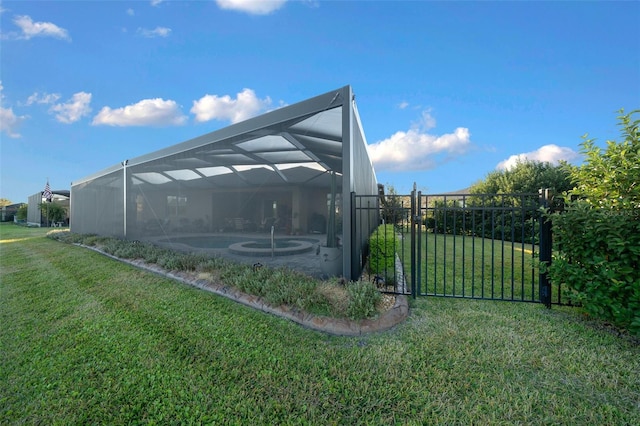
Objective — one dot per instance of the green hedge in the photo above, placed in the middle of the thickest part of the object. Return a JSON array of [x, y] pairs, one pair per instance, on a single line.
[[598, 262]]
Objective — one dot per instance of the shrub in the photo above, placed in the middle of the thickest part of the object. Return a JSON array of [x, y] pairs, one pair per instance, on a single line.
[[599, 262], [150, 253], [111, 246], [288, 288], [93, 240], [383, 244], [597, 237], [363, 299], [331, 298], [179, 261], [276, 286], [212, 264], [429, 223], [247, 280]]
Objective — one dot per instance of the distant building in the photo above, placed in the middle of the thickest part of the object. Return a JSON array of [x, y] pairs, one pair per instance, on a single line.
[[9, 212], [35, 217]]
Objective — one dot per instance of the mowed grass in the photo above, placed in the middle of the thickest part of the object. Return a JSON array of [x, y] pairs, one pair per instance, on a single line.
[[87, 339], [474, 267]]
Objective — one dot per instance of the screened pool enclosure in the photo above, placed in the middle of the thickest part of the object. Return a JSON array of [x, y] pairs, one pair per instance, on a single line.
[[275, 189]]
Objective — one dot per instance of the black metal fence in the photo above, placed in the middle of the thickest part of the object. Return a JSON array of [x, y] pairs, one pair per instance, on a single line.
[[480, 246], [476, 246], [387, 219]]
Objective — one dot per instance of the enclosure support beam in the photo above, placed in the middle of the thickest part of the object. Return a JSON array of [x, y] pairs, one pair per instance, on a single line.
[[124, 194], [347, 180]]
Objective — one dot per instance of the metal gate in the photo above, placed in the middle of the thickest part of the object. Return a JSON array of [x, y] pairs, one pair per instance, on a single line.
[[472, 246]]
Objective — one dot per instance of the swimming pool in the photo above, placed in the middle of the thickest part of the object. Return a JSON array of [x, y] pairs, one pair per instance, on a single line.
[[281, 247], [205, 241], [246, 245]]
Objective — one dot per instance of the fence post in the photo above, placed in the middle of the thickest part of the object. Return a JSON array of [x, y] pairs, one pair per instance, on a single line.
[[356, 244], [418, 271], [413, 241], [545, 196]]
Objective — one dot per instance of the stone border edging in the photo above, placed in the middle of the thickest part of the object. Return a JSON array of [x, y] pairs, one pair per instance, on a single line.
[[336, 326]]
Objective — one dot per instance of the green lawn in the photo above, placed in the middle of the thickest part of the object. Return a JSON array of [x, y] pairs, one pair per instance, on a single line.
[[87, 339], [467, 266], [475, 267]]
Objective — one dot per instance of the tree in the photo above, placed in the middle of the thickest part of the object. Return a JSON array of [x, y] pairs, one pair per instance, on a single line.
[[525, 177], [5, 202], [394, 208], [597, 237], [53, 212], [21, 214]]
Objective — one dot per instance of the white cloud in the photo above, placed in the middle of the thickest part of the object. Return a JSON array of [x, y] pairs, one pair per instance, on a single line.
[[39, 29], [416, 149], [74, 109], [253, 7], [548, 153], [403, 105], [130, 12], [147, 112], [245, 105], [156, 32], [45, 98], [9, 122], [156, 2], [426, 121]]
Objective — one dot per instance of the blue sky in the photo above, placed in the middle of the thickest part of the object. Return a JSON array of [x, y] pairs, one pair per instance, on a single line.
[[446, 91]]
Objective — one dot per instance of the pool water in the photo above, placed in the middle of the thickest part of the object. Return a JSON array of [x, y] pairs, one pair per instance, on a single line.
[[223, 242], [267, 244]]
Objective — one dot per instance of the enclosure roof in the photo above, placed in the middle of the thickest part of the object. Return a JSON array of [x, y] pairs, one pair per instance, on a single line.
[[296, 144], [56, 194]]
